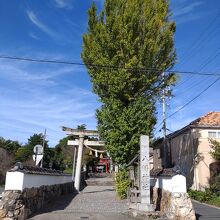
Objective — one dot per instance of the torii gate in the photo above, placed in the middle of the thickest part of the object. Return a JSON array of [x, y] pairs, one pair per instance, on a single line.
[[80, 142]]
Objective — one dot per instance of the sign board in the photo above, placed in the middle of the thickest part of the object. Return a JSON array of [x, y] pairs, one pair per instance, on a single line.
[[86, 142], [37, 158], [94, 143], [38, 149], [73, 142]]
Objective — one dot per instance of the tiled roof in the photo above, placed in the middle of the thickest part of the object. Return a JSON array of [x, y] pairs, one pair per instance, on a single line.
[[169, 172], [36, 170], [210, 119]]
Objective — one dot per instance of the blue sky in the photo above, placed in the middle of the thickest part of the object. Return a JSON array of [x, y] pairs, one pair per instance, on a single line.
[[34, 96]]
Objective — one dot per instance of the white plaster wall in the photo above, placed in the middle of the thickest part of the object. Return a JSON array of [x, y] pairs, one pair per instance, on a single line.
[[171, 184], [40, 180], [19, 181], [179, 183], [14, 181]]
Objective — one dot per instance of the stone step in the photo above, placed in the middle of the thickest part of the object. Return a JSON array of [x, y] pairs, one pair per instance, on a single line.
[[100, 182]]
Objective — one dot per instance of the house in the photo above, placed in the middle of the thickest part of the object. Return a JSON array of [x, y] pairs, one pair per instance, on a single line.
[[189, 147]]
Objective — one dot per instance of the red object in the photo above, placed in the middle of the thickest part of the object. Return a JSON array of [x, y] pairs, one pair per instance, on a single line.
[[105, 161]]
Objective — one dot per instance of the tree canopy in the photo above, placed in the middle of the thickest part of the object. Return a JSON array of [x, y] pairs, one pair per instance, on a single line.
[[215, 149], [9, 145], [127, 47]]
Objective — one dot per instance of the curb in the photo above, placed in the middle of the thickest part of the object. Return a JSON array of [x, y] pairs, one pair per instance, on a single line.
[[212, 206]]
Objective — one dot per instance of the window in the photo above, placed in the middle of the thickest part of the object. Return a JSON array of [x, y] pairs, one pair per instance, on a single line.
[[214, 134]]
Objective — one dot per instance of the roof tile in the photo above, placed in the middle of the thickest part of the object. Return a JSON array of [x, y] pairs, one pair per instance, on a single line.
[[210, 119]]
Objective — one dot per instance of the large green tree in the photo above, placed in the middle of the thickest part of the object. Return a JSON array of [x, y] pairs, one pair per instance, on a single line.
[[127, 47], [9, 145]]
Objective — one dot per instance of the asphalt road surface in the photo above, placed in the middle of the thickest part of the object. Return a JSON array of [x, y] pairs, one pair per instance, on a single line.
[[206, 212]]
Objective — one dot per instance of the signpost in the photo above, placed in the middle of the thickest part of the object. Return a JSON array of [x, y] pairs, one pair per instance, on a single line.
[[38, 154]]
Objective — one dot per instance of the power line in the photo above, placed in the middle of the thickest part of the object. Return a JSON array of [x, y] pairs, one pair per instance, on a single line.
[[209, 60], [203, 36], [190, 101], [204, 90], [91, 65], [120, 67]]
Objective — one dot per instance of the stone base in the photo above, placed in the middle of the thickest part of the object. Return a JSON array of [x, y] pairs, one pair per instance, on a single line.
[[142, 207]]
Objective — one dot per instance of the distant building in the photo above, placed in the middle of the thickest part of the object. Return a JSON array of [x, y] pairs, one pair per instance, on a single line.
[[189, 147]]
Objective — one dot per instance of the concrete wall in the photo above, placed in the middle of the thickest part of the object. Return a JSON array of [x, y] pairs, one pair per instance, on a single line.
[[19, 181], [175, 184], [183, 150], [169, 196], [190, 151], [204, 159]]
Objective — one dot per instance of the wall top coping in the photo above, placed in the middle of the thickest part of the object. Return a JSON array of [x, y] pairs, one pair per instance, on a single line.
[[19, 167], [166, 172]]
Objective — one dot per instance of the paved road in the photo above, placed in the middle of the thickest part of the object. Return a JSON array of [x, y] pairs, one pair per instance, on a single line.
[[205, 212], [94, 202]]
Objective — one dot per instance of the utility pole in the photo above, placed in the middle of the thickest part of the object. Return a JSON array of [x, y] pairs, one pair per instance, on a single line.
[[44, 138], [164, 123]]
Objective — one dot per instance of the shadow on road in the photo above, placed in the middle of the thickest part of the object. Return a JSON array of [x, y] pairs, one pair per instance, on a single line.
[[198, 216], [60, 204]]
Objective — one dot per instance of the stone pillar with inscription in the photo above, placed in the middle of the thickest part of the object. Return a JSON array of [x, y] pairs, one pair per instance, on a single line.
[[145, 204]]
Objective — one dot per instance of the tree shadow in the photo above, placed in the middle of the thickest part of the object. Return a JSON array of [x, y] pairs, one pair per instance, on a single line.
[[198, 216], [56, 205]]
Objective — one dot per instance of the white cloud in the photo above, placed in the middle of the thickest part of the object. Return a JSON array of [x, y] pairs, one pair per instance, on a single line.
[[34, 97], [67, 4], [24, 73], [34, 19], [34, 36], [185, 11]]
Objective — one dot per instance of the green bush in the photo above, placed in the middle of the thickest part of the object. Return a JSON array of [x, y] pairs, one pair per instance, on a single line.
[[207, 196], [215, 186], [122, 183], [215, 201], [197, 195]]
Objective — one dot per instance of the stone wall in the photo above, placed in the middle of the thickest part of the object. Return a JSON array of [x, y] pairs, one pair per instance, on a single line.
[[18, 205], [176, 206]]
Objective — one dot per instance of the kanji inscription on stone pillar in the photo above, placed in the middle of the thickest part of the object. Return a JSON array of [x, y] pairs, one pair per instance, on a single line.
[[144, 170]]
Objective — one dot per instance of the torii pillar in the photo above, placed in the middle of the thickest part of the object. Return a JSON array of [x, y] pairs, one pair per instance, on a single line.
[[79, 163], [80, 143]]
